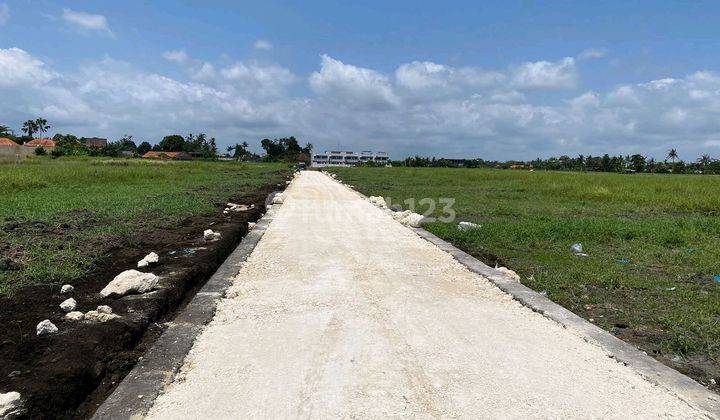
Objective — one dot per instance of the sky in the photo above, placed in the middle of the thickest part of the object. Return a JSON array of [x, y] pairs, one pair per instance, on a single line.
[[459, 79]]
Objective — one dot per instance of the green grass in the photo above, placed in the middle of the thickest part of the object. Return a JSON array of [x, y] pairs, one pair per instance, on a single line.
[[92, 201], [653, 242]]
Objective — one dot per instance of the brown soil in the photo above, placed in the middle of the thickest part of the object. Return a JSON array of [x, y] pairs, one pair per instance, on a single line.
[[68, 374]]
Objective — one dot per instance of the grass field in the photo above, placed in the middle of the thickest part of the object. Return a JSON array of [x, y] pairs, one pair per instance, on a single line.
[[653, 244], [56, 215]]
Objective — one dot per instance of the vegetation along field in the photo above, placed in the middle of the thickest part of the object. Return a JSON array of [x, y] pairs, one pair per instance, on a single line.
[[652, 271], [59, 217]]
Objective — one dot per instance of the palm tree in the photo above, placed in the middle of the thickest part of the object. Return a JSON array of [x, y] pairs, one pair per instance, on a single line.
[[5, 131], [672, 155], [30, 127], [42, 125], [704, 160]]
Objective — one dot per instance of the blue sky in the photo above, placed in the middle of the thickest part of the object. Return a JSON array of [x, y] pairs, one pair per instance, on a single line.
[[511, 79]]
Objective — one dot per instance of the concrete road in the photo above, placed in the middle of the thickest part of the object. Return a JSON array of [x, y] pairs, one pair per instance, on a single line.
[[341, 312]]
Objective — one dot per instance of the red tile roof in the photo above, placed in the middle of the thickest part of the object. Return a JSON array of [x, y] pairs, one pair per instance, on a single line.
[[6, 142], [166, 155], [45, 143]]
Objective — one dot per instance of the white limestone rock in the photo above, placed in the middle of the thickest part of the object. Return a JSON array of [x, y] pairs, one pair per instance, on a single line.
[[209, 235], [463, 226], [104, 309], [399, 215], [378, 201], [11, 405], [509, 273], [251, 225], [99, 316], [68, 305], [278, 199], [74, 316], [130, 281], [151, 258], [67, 288], [46, 328], [412, 220], [237, 208]]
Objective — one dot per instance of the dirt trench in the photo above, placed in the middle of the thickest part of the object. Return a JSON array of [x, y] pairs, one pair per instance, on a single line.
[[69, 374]]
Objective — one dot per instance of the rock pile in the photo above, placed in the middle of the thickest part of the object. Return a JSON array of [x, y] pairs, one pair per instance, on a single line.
[[408, 218], [103, 313], [151, 258], [378, 201], [209, 235]]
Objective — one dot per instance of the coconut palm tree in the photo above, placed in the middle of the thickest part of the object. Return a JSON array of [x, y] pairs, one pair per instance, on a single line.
[[29, 127], [42, 126], [704, 160], [672, 155]]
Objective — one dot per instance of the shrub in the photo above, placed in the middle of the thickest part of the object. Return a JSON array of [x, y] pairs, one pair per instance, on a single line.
[[40, 151]]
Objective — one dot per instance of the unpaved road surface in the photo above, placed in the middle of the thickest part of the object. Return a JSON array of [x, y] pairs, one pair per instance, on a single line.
[[342, 312]]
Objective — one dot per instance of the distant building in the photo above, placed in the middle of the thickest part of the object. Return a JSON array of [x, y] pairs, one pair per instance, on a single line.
[[94, 142], [6, 142], [44, 143], [167, 155], [9, 150], [345, 158]]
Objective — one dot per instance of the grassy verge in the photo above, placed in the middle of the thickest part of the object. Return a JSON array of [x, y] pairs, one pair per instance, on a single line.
[[59, 217], [653, 245]]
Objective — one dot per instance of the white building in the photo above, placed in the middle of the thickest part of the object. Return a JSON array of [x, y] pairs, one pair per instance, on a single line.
[[344, 158]]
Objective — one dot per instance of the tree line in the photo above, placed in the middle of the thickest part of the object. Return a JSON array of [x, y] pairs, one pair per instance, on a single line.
[[285, 149], [606, 163]]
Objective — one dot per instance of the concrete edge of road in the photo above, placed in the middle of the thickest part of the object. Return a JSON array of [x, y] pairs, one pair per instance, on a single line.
[[652, 370], [137, 392], [655, 372]]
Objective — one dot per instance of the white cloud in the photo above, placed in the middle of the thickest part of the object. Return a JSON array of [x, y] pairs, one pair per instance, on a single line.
[[352, 86], [262, 44], [178, 56], [261, 79], [206, 71], [560, 74], [4, 14], [86, 22], [18, 68], [425, 108], [436, 80], [591, 53]]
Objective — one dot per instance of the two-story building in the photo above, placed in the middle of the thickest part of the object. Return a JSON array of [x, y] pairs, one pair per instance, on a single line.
[[348, 158]]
